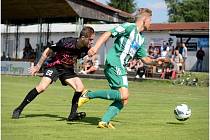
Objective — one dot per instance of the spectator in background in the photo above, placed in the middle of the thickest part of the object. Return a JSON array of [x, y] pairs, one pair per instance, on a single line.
[[200, 54], [151, 49], [28, 52], [3, 57], [7, 58], [131, 64], [184, 55], [140, 70], [165, 50], [90, 64], [155, 54], [171, 47], [177, 61]]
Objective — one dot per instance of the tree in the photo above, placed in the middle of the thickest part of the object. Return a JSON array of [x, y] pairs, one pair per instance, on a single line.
[[124, 5], [188, 10]]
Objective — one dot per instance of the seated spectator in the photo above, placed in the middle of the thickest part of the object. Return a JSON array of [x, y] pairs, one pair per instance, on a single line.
[[166, 70], [3, 57], [131, 65], [177, 62], [140, 70], [28, 52], [165, 50], [90, 64], [155, 54], [151, 48]]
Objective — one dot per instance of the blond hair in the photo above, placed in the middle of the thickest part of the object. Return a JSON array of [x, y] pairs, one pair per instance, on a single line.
[[143, 12]]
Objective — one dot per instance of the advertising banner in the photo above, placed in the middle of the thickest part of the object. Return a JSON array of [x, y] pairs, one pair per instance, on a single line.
[[15, 67]]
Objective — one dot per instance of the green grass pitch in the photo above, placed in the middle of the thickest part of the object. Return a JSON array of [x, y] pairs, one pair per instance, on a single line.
[[148, 115]]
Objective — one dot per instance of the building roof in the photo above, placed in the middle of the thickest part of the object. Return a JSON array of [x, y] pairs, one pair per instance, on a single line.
[[24, 12], [179, 26]]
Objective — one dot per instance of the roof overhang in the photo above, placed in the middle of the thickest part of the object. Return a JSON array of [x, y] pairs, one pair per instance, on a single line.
[[179, 26], [19, 12], [194, 33]]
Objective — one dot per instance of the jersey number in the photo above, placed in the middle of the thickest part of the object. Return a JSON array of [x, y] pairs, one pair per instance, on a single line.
[[49, 72]]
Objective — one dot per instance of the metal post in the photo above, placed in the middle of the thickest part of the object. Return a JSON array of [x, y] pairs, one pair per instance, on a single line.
[[48, 32], [6, 41], [17, 41], [40, 36], [39, 41]]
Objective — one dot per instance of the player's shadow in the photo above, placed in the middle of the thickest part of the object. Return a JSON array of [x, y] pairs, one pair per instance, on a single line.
[[44, 115], [175, 123], [89, 121], [86, 121]]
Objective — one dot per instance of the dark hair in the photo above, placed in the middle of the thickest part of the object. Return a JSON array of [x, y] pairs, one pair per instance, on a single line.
[[177, 48], [87, 31]]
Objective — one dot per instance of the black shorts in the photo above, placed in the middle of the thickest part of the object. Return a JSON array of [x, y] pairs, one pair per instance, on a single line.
[[62, 74]]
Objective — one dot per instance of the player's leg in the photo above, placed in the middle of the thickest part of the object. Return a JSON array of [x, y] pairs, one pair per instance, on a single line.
[[50, 74], [78, 87], [44, 83], [114, 109], [120, 81], [197, 65], [115, 82], [201, 65]]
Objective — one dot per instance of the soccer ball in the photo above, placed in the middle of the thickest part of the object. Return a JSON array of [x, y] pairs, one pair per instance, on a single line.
[[182, 112]]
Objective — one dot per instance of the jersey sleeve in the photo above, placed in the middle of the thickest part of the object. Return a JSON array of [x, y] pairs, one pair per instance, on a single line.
[[122, 30], [141, 52]]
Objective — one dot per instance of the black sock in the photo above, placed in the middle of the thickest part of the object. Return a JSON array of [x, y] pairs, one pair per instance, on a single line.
[[29, 97], [74, 102]]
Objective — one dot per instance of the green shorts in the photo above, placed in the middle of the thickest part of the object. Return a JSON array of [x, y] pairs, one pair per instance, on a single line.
[[116, 76]]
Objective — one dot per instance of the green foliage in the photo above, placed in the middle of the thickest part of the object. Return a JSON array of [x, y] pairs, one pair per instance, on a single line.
[[188, 10], [193, 79], [124, 5], [148, 115]]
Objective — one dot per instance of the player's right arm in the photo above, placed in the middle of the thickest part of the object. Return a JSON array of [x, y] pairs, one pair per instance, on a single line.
[[102, 39], [120, 30], [34, 69]]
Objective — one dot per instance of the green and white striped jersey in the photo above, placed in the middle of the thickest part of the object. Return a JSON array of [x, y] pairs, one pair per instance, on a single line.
[[127, 45]]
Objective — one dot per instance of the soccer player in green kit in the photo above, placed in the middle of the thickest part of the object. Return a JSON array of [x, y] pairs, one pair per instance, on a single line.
[[127, 45]]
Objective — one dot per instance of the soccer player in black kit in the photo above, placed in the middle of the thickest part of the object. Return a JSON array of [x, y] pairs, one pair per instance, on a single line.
[[61, 65]]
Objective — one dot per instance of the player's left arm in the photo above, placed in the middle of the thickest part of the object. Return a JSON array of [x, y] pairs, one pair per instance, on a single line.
[[34, 69], [150, 61], [143, 55]]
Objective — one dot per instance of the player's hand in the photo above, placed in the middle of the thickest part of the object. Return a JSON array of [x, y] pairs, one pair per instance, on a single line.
[[92, 51], [33, 70]]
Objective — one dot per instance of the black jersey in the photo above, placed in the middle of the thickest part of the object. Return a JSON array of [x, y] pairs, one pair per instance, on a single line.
[[66, 52]]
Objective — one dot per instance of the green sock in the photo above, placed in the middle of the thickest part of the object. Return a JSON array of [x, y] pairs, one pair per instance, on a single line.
[[112, 111], [105, 94]]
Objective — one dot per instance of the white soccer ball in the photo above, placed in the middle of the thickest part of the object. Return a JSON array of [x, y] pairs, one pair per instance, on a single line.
[[182, 112]]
